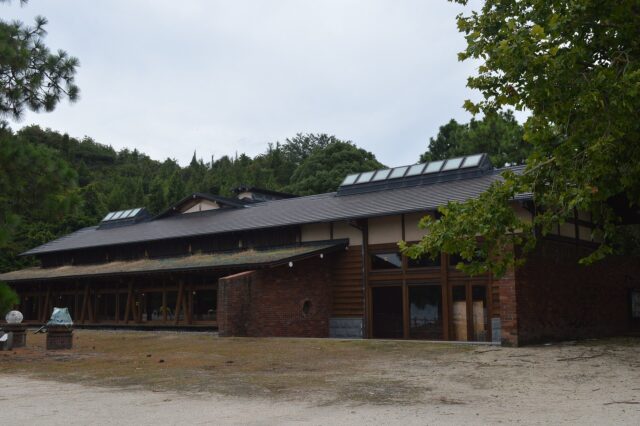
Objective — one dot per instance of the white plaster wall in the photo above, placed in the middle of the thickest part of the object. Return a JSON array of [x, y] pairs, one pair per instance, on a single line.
[[202, 206], [411, 230], [344, 230], [386, 229], [315, 232]]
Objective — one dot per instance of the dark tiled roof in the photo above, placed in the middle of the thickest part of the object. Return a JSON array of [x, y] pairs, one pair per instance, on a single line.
[[293, 211], [239, 259]]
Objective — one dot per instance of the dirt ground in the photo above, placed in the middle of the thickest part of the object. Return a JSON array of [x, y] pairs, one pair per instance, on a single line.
[[128, 377]]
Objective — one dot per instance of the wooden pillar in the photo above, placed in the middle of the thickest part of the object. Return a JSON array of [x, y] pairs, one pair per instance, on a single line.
[[45, 308], [406, 316], [117, 314], [190, 306], [164, 302], [446, 293], [127, 308], [83, 312], [179, 301]]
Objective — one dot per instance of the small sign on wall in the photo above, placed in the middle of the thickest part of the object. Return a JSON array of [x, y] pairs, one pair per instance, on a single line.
[[635, 304]]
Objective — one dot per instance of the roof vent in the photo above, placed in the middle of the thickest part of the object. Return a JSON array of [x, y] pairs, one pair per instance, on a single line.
[[417, 174], [124, 217]]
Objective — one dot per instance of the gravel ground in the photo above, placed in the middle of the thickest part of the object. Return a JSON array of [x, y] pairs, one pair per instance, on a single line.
[[309, 381]]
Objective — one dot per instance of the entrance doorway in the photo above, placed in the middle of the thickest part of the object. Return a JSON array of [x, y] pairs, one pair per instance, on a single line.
[[387, 312]]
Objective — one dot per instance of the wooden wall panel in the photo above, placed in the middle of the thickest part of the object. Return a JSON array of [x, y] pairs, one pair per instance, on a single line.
[[347, 292]]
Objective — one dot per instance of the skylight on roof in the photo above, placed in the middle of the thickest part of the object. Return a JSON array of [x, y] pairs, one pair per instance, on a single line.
[[365, 177], [472, 160], [433, 167], [350, 179], [416, 169], [398, 172], [122, 214], [452, 164], [381, 175]]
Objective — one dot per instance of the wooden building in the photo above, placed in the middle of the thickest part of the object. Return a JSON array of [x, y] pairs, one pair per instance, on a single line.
[[270, 264]]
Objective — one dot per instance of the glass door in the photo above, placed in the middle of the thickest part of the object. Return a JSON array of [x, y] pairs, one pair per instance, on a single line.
[[387, 312], [425, 312]]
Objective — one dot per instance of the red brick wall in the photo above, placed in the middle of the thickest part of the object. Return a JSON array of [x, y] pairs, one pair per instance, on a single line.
[[270, 302], [558, 299]]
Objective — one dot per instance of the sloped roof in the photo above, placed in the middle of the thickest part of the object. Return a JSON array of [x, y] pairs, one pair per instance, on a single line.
[[238, 259], [293, 211]]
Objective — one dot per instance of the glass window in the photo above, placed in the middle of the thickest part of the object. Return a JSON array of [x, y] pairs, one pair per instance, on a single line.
[[425, 316], [381, 175], [391, 260], [109, 216], [423, 262], [416, 169], [452, 164], [398, 172], [434, 167], [472, 160], [349, 180], [365, 177]]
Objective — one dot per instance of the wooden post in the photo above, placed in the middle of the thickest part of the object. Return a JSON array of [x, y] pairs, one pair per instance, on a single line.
[[90, 311], [117, 314], [46, 304], [84, 303], [446, 292], [190, 306], [164, 302], [406, 316], [179, 301], [127, 308]]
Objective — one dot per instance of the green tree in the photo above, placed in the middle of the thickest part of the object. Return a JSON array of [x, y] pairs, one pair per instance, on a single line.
[[324, 169], [30, 75], [499, 135], [8, 298], [575, 65]]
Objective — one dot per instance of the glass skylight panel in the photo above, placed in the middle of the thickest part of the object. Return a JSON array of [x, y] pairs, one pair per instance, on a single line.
[[472, 160], [416, 169], [433, 167], [365, 177], [108, 216], [398, 172], [135, 212], [117, 215], [452, 164], [350, 179], [381, 175], [126, 214]]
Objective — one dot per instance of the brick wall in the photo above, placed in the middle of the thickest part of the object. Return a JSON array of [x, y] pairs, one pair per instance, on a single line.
[[281, 301], [558, 299]]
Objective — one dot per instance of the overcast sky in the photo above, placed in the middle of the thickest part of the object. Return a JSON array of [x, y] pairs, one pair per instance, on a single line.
[[171, 77]]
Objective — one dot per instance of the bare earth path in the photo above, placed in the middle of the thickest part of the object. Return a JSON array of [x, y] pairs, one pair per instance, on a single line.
[[140, 378]]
